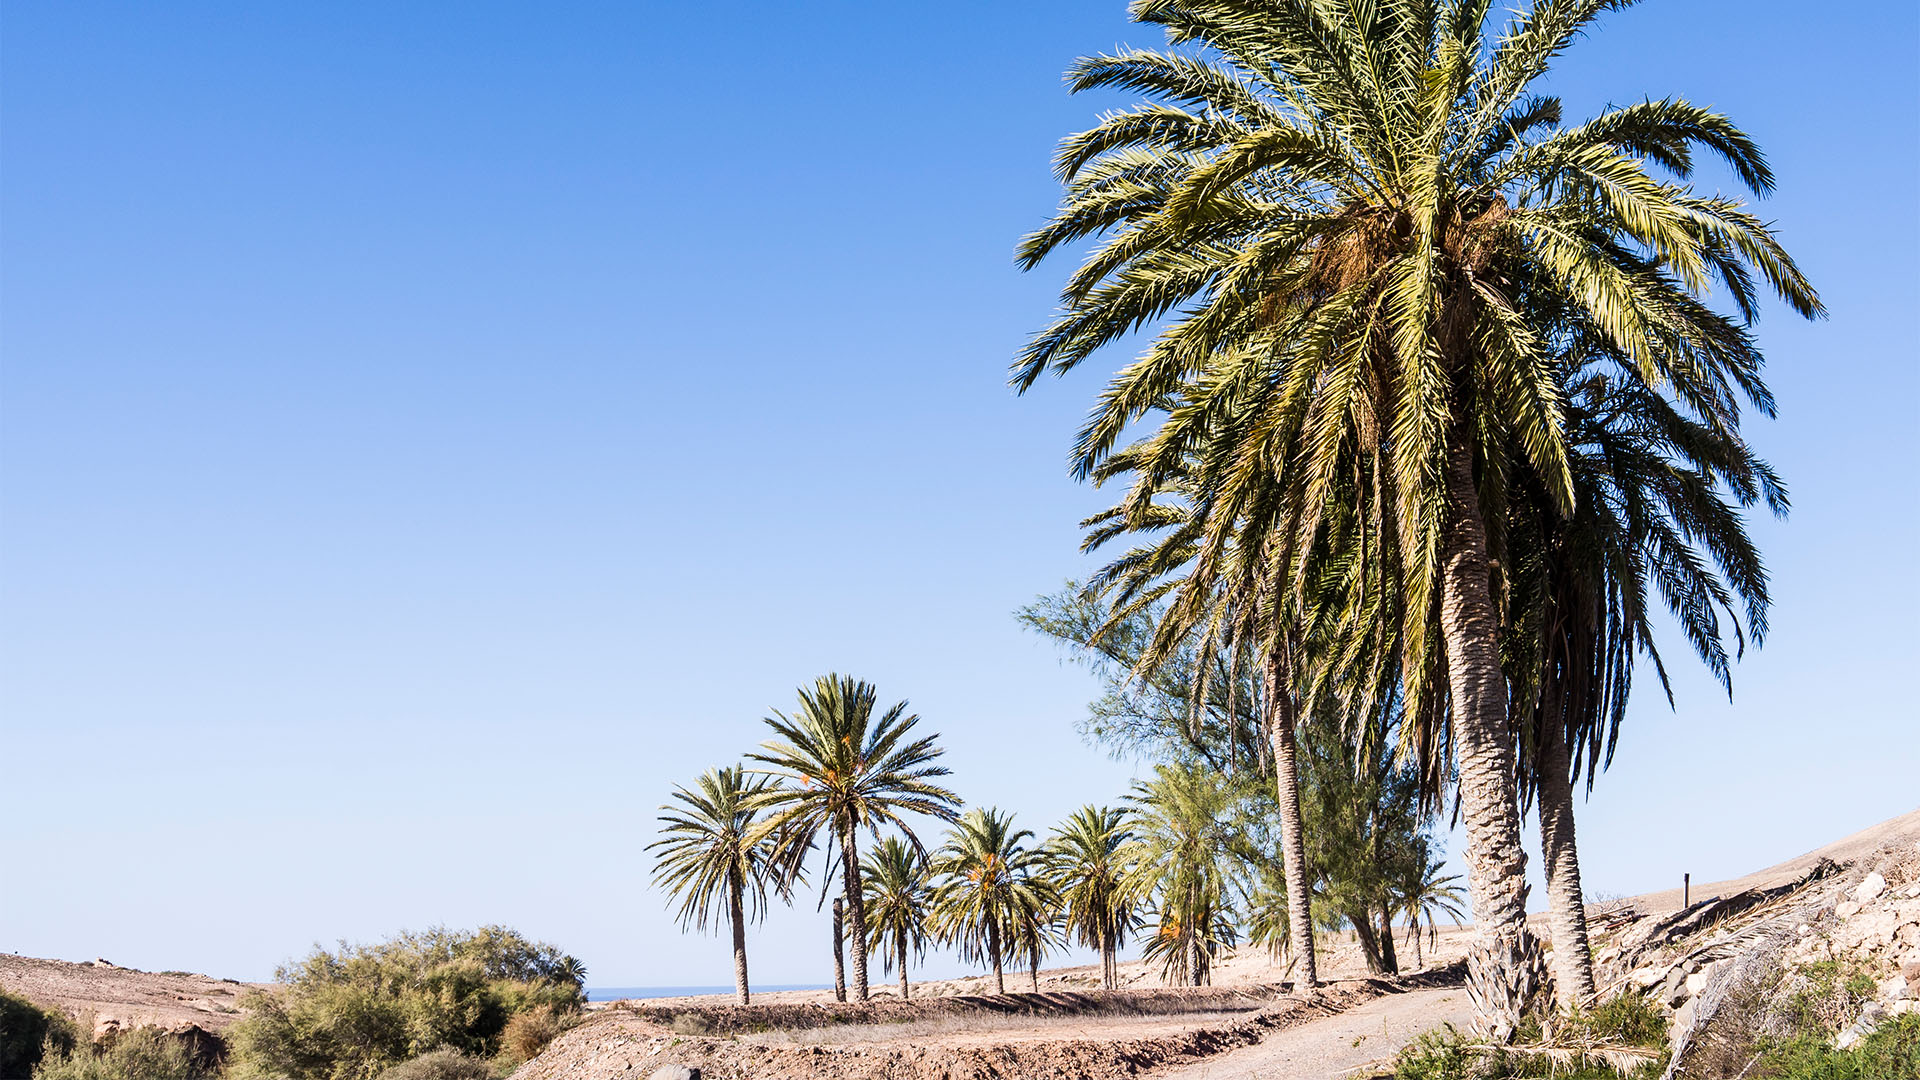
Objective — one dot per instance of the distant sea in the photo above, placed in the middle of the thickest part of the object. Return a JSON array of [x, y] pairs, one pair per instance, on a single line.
[[620, 993]]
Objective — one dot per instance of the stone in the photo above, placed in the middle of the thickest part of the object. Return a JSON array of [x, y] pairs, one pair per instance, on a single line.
[[1847, 909], [1675, 991], [1696, 982], [674, 1072], [1868, 1023], [1894, 989], [1645, 977], [1911, 971], [1871, 888], [1904, 1006]]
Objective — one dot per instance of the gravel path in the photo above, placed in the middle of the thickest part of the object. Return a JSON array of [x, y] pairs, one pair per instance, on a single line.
[[1339, 1047]]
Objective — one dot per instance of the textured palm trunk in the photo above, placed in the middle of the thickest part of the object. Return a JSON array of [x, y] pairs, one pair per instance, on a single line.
[[1567, 909], [839, 957], [1503, 961], [1389, 960], [900, 946], [1109, 965], [1033, 973], [1293, 845], [1418, 961], [738, 901], [993, 946], [856, 909]]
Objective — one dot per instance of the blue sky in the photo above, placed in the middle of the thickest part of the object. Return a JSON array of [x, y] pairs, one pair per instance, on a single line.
[[429, 432]]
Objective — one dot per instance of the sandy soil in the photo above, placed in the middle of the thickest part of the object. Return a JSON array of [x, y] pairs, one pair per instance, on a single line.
[[1355, 1043]]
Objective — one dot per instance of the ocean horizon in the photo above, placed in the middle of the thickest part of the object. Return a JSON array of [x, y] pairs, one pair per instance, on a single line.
[[622, 993]]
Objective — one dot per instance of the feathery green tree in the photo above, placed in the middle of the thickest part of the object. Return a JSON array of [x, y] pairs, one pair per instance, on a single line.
[[848, 770], [1341, 218], [712, 853]]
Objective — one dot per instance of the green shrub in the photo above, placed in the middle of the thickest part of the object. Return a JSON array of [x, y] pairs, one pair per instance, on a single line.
[[1890, 1052], [140, 1054], [353, 1013], [442, 1065], [25, 1028], [1626, 1021]]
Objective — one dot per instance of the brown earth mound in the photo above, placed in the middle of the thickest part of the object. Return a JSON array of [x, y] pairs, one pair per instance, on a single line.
[[107, 998]]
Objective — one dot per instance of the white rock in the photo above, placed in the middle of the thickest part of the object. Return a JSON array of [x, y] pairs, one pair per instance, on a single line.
[[1903, 1007], [1872, 887], [1847, 909], [1894, 989]]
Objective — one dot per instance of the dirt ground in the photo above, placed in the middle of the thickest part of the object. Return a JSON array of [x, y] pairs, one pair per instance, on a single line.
[[104, 996]]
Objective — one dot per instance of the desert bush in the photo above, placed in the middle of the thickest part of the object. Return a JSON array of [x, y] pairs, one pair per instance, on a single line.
[[527, 1033], [442, 1065], [140, 1054], [1891, 1051], [353, 1013], [25, 1029], [1575, 1047]]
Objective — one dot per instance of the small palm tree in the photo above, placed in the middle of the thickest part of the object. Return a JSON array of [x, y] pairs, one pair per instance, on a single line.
[[1427, 894], [849, 771], [1183, 856], [1269, 920], [714, 853], [1087, 862], [897, 900], [1033, 925], [988, 877]]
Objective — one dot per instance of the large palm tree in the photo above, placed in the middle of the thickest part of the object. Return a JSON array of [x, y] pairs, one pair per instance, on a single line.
[[1087, 862], [1185, 856], [714, 854], [898, 896], [848, 770], [989, 876], [1658, 506], [1343, 217]]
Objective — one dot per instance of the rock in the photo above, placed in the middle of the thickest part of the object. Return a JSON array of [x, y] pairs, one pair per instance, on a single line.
[[1868, 1023], [1847, 909], [1682, 1020], [1645, 977], [1903, 1007], [674, 1072], [1871, 888], [1675, 991], [1696, 983], [1894, 989], [1911, 971]]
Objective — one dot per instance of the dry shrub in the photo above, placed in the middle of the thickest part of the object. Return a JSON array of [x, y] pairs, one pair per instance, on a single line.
[[527, 1033], [444, 1064]]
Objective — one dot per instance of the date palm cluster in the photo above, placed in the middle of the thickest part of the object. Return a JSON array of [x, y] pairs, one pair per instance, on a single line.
[[1438, 400]]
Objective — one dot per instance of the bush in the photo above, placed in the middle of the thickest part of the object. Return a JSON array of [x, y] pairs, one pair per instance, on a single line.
[[140, 1054], [25, 1028], [1891, 1051], [441, 1065], [351, 1014], [527, 1033], [1581, 1045]]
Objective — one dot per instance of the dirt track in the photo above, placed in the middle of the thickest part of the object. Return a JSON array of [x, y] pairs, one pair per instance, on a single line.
[[1338, 1046]]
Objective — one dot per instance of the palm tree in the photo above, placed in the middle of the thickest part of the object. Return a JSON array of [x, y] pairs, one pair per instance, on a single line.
[[1033, 923], [1344, 219], [988, 877], [1087, 862], [849, 771], [1428, 894], [897, 895], [713, 852], [1658, 500], [1183, 856]]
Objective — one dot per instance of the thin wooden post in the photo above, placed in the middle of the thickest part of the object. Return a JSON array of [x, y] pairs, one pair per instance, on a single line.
[[1686, 891]]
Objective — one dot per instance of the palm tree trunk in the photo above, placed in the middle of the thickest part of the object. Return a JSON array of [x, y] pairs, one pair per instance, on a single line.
[[900, 942], [1109, 977], [1503, 961], [1418, 961], [993, 946], [1389, 960], [1567, 909], [738, 902], [1293, 847], [1033, 972], [856, 909], [839, 959]]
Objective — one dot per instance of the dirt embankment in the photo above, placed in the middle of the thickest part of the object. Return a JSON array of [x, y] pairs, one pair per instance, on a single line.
[[107, 998], [1097, 1035]]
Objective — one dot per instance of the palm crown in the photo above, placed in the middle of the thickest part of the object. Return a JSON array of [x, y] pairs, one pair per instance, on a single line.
[[848, 771], [988, 879]]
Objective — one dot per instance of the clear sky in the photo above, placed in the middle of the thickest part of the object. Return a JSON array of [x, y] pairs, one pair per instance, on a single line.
[[429, 432]]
